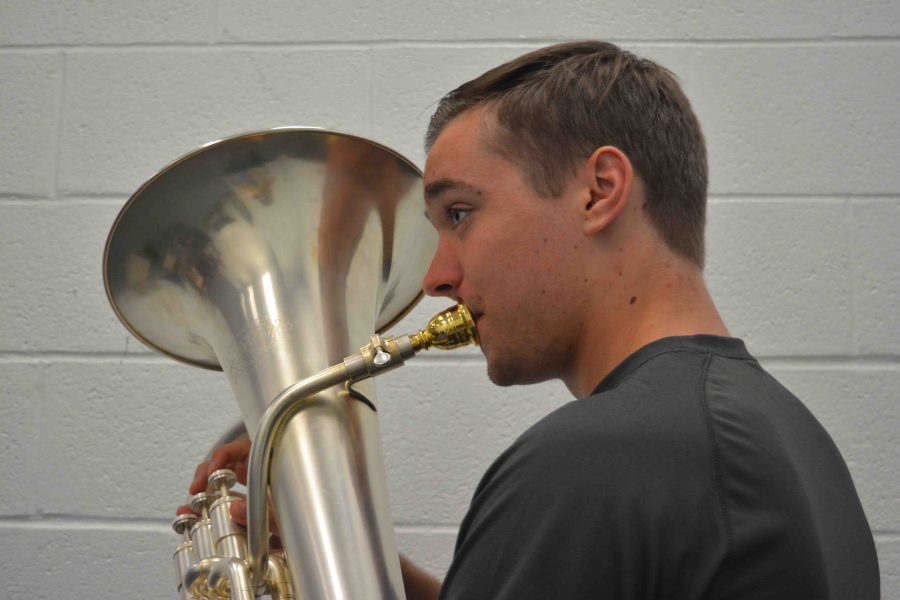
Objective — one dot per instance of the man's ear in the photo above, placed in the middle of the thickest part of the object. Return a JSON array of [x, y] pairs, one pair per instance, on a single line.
[[611, 176]]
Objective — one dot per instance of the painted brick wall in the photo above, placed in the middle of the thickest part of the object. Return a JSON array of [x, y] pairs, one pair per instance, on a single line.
[[799, 103]]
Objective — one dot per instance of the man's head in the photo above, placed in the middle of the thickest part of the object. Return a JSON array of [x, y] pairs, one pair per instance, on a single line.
[[553, 107], [560, 184]]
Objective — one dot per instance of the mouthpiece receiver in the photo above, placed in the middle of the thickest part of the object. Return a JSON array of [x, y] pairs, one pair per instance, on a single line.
[[450, 328]]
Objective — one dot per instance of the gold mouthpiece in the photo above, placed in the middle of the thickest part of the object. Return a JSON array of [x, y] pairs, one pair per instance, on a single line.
[[450, 328]]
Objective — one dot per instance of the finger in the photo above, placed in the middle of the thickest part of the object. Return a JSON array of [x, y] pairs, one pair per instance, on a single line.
[[201, 473], [184, 509], [230, 455], [240, 472], [238, 510], [273, 524], [275, 542]]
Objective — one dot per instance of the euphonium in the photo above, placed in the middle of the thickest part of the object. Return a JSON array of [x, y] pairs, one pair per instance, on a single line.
[[272, 256]]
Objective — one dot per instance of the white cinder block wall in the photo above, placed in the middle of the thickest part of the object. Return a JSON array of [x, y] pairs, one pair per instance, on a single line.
[[98, 436]]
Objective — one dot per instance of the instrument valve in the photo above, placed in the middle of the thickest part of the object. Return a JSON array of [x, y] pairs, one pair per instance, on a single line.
[[200, 504], [221, 482], [183, 523]]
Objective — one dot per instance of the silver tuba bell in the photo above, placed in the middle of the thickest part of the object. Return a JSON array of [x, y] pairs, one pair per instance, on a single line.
[[274, 256]]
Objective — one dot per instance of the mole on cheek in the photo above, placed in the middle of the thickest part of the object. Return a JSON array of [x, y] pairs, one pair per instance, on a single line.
[[633, 300]]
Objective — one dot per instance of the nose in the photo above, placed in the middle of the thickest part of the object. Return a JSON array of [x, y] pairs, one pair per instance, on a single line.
[[444, 274]]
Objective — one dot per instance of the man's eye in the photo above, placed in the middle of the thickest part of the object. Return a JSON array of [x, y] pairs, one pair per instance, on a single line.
[[457, 215]]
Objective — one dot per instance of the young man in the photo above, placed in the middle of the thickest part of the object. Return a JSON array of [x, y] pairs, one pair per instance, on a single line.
[[568, 188]]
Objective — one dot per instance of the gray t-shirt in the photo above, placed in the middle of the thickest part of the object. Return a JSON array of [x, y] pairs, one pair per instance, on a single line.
[[690, 473]]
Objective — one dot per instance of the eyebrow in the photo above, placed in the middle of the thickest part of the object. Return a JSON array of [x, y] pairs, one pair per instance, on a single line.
[[436, 188]]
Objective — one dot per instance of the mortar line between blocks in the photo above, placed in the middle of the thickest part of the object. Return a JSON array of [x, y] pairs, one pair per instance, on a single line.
[[61, 99], [836, 21], [39, 460], [216, 22], [440, 529], [80, 523], [475, 43], [854, 276], [371, 59], [735, 197], [84, 357], [64, 199]]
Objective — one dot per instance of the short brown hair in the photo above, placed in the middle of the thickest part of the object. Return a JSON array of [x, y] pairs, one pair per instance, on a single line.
[[553, 107]]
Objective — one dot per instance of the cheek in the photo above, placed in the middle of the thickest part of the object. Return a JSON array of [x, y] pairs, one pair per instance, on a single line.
[[521, 260], [529, 274]]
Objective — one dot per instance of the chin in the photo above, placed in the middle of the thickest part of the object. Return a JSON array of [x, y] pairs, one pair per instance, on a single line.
[[515, 372], [502, 379]]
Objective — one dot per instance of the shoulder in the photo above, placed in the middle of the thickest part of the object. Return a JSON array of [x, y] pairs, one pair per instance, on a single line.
[[647, 432], [648, 435], [660, 403]]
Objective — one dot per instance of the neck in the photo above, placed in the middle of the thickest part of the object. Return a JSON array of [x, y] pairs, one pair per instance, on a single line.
[[661, 298]]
